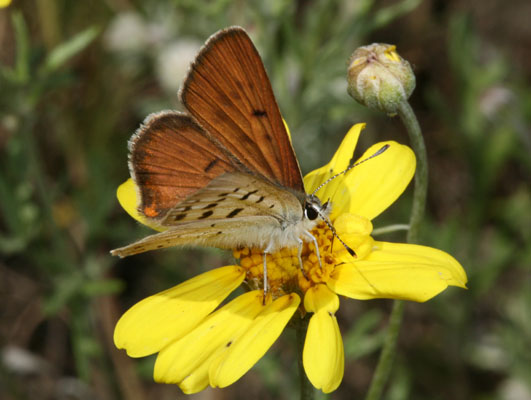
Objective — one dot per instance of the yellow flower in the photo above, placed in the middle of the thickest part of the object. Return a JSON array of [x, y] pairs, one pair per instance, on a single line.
[[199, 344]]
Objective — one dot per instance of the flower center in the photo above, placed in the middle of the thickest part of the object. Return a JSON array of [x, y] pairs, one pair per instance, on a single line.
[[284, 274]]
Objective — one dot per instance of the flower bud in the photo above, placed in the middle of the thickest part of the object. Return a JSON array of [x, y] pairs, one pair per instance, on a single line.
[[379, 78]]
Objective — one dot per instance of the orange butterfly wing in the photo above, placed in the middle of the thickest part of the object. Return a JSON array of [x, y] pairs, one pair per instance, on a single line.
[[170, 158], [228, 92]]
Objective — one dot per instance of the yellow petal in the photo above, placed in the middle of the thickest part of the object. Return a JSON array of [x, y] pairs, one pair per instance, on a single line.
[[320, 298], [252, 345], [355, 231], [369, 188], [323, 355], [339, 162], [127, 194], [186, 361], [160, 319], [398, 271], [193, 383]]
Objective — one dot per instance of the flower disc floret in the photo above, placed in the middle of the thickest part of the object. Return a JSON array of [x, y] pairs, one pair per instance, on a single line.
[[284, 274]]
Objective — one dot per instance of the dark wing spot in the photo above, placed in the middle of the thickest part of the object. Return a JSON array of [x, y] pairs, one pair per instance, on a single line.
[[219, 233], [178, 217], [187, 208], [160, 246], [245, 197], [213, 225], [260, 199], [235, 190], [211, 205], [234, 94], [211, 164], [223, 194], [259, 113], [271, 206], [206, 214], [234, 212], [229, 344], [220, 114]]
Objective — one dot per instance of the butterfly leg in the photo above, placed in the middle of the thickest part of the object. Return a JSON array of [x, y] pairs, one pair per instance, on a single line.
[[265, 272], [314, 240], [266, 285]]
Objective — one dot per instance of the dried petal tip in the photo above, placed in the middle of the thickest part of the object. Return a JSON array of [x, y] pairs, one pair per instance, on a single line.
[[379, 78]]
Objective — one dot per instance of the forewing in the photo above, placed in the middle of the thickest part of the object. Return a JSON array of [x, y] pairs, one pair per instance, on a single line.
[[228, 92], [227, 233], [170, 158]]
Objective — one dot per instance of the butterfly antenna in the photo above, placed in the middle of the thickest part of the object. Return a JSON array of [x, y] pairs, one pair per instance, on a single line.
[[331, 227], [346, 246], [382, 149]]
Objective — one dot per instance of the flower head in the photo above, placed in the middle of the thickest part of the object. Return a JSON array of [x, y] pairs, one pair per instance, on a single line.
[[200, 343], [379, 78]]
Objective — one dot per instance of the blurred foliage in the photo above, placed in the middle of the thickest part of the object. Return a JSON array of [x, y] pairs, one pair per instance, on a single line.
[[77, 78]]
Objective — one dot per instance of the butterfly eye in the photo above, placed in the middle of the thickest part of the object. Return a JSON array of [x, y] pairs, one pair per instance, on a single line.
[[310, 212]]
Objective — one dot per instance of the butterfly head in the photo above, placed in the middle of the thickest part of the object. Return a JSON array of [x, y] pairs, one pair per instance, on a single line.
[[314, 209]]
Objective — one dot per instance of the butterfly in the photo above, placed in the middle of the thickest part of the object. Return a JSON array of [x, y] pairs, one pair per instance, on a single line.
[[223, 173]]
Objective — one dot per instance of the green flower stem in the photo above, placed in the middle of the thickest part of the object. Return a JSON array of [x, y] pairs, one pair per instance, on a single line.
[[390, 229], [387, 355], [385, 362], [307, 389], [421, 174]]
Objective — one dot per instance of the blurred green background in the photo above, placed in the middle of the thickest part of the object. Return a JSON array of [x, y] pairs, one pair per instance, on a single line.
[[77, 78]]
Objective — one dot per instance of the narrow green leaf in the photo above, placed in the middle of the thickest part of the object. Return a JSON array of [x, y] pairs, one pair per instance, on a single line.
[[62, 53], [22, 46], [102, 287]]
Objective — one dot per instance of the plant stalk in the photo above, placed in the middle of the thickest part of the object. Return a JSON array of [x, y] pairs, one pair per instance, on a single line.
[[385, 362]]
